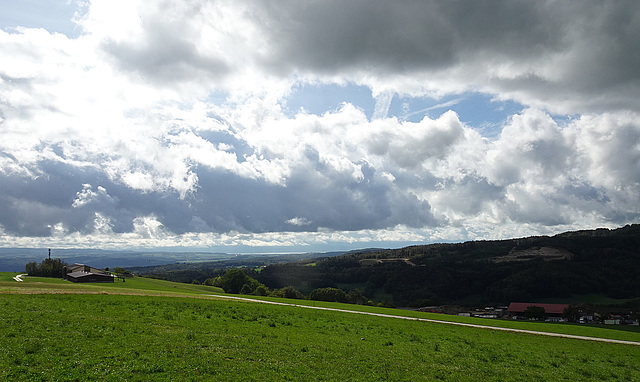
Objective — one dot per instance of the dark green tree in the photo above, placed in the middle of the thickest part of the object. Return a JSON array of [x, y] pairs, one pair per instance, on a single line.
[[47, 268], [261, 290], [31, 268], [121, 271], [234, 280], [535, 312], [288, 292], [572, 313], [246, 289], [328, 294], [356, 297]]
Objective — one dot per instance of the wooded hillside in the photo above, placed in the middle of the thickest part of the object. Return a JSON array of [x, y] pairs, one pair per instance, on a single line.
[[598, 261], [602, 262]]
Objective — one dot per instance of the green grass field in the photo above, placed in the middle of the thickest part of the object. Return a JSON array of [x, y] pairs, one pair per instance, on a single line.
[[136, 285], [149, 330]]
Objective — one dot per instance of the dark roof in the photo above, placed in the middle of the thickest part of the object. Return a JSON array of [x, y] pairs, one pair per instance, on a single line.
[[79, 274], [520, 307], [83, 267]]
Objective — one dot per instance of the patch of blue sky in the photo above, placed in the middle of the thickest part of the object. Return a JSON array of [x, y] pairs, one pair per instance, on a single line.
[[310, 248], [564, 119], [319, 99], [54, 16], [217, 97], [477, 110]]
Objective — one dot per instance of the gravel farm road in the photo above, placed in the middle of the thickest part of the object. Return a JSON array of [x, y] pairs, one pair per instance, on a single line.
[[436, 321]]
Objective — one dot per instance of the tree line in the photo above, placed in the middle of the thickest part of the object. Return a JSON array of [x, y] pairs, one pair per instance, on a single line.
[[47, 268], [237, 281]]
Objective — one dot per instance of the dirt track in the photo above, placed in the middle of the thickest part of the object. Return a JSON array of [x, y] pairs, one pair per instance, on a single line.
[[437, 321]]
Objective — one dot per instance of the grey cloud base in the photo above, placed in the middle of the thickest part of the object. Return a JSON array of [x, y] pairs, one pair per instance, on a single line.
[[536, 172]]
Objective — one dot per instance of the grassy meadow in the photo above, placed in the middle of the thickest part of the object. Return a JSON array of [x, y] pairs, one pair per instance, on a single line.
[[150, 330]]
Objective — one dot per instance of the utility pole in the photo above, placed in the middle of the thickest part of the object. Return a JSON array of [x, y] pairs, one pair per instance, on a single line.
[[49, 253]]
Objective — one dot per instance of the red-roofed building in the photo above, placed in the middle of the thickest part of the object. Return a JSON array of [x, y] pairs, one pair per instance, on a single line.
[[553, 310]]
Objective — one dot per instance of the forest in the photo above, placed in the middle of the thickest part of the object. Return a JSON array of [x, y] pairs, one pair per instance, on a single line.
[[602, 262]]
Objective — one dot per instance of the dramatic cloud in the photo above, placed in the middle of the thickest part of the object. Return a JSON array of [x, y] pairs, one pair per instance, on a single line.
[[568, 57], [166, 123]]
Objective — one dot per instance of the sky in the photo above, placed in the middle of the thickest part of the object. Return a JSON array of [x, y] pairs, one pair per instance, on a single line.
[[300, 126]]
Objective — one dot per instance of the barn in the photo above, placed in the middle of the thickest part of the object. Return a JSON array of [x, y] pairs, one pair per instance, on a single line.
[[550, 310], [80, 273]]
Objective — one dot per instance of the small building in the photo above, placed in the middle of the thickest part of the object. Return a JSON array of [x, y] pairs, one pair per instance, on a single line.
[[486, 315], [80, 273], [551, 310]]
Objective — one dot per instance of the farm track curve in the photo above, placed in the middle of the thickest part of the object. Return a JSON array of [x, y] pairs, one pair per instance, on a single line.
[[572, 336]]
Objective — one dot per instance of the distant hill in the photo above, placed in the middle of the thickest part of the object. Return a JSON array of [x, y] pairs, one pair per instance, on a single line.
[[200, 271], [14, 259], [602, 261]]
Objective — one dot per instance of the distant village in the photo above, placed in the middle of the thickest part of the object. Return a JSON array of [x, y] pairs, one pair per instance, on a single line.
[[580, 313]]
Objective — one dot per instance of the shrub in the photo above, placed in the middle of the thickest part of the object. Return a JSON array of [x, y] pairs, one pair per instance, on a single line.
[[328, 294], [261, 290], [288, 292]]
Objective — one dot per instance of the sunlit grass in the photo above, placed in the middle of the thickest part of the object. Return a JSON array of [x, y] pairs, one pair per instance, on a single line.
[[146, 286], [135, 330], [134, 285], [626, 333], [116, 337]]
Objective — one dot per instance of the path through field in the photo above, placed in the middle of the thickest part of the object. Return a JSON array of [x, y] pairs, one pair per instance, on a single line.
[[436, 321]]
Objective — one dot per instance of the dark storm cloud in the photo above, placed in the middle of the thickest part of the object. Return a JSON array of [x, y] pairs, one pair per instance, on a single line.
[[405, 36], [566, 56], [322, 198], [72, 197], [31, 207], [587, 51]]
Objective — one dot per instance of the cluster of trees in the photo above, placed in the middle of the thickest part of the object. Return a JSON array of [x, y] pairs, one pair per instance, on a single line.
[[47, 268], [238, 281], [120, 271]]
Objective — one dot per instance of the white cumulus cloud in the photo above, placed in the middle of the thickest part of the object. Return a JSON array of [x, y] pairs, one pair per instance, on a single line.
[[163, 123]]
